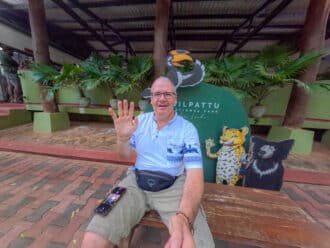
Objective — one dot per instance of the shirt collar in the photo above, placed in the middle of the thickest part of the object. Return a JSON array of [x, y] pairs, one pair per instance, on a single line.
[[171, 121]]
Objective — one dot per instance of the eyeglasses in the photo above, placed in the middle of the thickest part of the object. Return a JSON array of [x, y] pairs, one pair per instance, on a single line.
[[167, 95]]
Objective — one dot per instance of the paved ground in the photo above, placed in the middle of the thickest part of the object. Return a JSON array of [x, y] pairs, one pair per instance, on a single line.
[[101, 137], [81, 134], [47, 201]]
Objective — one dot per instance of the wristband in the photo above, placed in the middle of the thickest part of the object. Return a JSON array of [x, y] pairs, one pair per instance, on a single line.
[[187, 219]]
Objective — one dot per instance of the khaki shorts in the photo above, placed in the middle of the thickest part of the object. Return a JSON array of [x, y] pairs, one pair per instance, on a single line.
[[135, 202]]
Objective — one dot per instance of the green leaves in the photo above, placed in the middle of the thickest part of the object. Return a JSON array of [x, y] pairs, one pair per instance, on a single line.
[[257, 76], [70, 75], [135, 74], [47, 76], [121, 76], [44, 74], [319, 86]]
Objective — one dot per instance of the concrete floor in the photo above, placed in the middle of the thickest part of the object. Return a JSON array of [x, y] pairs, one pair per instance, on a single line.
[[46, 201]]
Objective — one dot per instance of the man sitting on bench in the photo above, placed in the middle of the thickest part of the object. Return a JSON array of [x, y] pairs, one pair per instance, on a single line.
[[167, 176]]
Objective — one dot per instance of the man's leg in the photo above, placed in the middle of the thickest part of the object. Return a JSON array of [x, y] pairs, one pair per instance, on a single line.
[[110, 229], [167, 202], [202, 235], [95, 240]]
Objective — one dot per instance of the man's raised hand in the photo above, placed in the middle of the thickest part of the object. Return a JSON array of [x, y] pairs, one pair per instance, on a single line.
[[125, 123]]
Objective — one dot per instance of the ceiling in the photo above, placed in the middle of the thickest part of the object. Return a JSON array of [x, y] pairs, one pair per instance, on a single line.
[[206, 28]]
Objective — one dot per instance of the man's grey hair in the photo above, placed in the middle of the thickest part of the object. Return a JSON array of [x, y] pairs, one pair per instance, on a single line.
[[164, 78]]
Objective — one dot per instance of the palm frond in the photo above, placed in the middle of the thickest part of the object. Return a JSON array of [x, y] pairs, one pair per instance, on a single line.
[[293, 68], [319, 86], [43, 74], [273, 56]]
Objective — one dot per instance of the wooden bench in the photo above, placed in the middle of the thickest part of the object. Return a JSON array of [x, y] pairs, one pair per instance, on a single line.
[[254, 217]]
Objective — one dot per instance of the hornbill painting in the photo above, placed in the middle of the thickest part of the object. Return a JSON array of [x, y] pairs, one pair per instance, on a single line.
[[181, 79]]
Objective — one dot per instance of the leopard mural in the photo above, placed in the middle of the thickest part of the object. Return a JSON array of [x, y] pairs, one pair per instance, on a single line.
[[229, 155], [263, 168]]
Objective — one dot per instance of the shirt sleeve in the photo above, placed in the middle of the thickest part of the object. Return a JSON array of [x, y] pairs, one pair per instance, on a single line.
[[192, 156], [132, 141]]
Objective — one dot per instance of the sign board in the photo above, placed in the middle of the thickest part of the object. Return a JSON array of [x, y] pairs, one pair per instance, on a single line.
[[210, 108]]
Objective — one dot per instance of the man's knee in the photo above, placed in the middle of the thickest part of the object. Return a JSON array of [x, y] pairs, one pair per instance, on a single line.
[[94, 240]]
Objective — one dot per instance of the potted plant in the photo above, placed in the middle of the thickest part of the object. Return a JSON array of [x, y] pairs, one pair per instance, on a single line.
[[46, 76], [234, 73], [258, 76], [86, 76], [71, 75], [113, 76], [276, 68], [90, 74], [139, 75], [128, 78], [50, 119]]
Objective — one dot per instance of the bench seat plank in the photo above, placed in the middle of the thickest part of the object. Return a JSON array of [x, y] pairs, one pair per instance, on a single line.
[[255, 217]]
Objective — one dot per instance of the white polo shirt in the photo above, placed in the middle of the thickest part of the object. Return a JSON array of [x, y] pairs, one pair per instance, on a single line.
[[171, 150]]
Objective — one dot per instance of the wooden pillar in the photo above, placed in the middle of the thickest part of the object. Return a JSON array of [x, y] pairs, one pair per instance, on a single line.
[[40, 41], [313, 38], [160, 36], [39, 33]]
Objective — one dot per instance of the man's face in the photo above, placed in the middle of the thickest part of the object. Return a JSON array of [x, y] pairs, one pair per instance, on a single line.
[[163, 96]]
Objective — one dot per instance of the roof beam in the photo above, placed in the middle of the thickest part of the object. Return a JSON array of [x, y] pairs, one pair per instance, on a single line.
[[200, 37], [105, 3], [99, 4], [270, 17], [19, 20], [73, 14], [222, 49], [112, 3], [152, 18], [293, 26], [102, 22], [191, 51]]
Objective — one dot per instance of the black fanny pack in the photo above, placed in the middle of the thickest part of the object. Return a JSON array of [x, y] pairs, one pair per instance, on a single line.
[[153, 180]]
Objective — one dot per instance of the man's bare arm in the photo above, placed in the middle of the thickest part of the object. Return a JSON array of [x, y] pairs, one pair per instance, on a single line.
[[192, 193], [124, 149]]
